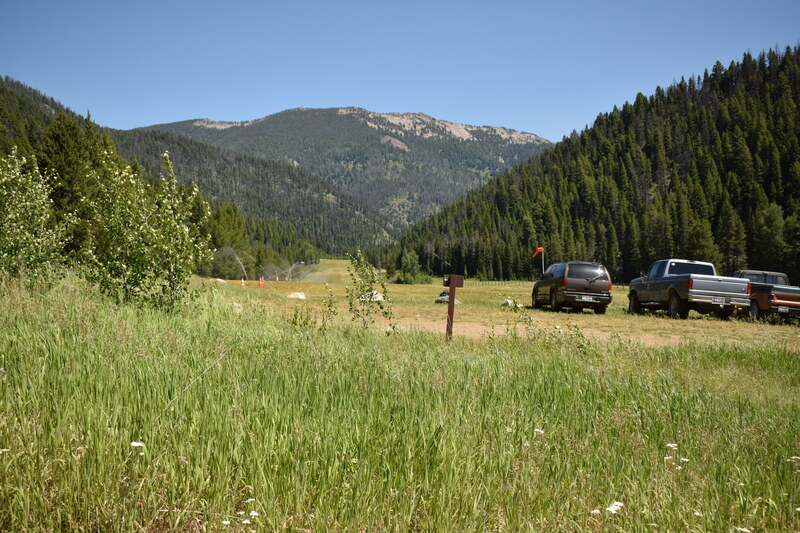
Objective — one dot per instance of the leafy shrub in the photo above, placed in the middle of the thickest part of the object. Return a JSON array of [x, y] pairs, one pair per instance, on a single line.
[[29, 240], [410, 269], [144, 243], [363, 299]]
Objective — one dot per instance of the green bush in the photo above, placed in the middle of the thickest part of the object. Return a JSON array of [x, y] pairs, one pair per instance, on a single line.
[[363, 298], [410, 269], [144, 243], [29, 239]]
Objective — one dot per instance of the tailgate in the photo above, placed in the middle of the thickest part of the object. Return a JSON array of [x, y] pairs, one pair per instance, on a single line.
[[785, 295], [719, 290]]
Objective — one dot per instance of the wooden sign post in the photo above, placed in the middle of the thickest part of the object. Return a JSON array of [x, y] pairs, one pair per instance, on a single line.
[[452, 281]]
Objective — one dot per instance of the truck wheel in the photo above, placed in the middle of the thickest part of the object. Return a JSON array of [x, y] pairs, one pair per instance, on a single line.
[[634, 305], [554, 305], [677, 307], [601, 310], [755, 311], [536, 303]]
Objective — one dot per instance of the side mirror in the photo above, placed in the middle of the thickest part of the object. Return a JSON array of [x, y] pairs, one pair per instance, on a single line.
[[642, 274]]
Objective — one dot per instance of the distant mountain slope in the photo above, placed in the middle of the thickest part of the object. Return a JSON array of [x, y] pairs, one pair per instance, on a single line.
[[298, 202], [24, 116], [705, 169], [315, 208], [405, 165]]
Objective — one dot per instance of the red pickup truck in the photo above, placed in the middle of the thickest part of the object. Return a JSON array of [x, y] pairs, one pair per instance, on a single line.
[[770, 293]]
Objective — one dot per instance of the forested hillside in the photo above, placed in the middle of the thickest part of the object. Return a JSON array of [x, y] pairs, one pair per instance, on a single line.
[[404, 165], [296, 200], [281, 213], [708, 168]]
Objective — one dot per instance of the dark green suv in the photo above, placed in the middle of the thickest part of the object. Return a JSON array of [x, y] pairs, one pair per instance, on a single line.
[[574, 284]]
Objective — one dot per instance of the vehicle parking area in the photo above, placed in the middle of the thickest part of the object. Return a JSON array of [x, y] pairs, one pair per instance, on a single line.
[[481, 313]]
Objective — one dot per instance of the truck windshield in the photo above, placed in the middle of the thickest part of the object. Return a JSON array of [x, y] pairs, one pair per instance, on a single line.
[[578, 271], [676, 269]]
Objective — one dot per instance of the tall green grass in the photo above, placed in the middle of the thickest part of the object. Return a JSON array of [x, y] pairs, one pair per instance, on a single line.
[[352, 430]]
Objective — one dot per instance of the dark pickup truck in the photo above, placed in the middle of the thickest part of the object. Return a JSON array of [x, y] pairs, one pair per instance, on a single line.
[[678, 286], [771, 293]]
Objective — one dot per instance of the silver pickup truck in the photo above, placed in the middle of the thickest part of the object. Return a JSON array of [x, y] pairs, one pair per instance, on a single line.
[[678, 286]]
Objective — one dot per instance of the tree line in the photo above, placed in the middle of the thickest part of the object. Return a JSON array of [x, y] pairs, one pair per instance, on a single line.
[[68, 197], [707, 169], [71, 153]]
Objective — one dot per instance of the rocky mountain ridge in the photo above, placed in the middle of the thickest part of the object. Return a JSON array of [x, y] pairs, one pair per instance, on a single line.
[[405, 165]]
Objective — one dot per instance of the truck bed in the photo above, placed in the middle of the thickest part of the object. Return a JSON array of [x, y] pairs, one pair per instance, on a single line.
[[719, 291], [779, 299]]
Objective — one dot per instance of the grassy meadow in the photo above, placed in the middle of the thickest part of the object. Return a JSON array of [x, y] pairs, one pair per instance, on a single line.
[[239, 412]]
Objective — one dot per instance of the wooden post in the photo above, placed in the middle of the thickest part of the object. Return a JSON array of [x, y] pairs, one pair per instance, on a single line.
[[451, 281]]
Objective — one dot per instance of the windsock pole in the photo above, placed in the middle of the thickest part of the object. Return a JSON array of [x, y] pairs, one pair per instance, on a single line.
[[540, 250]]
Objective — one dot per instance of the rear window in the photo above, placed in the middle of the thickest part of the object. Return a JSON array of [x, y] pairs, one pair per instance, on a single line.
[[763, 277], [756, 278], [676, 269], [587, 272]]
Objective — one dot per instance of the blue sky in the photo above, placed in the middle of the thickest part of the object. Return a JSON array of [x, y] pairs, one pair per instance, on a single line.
[[546, 68]]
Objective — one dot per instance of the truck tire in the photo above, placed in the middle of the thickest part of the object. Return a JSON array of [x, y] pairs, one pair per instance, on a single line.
[[600, 310], [677, 307], [755, 311], [634, 305], [536, 303], [554, 305]]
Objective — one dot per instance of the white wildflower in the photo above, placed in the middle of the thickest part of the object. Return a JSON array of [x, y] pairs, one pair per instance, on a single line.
[[226, 522], [239, 512], [253, 513], [509, 430], [615, 507], [668, 458], [684, 460], [672, 446], [250, 500], [141, 453], [538, 431], [596, 511], [743, 530], [678, 467], [137, 444], [4, 450], [246, 521], [698, 513]]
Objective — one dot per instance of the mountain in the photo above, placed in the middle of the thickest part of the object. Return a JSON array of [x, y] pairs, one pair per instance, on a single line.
[[406, 166], [707, 169], [286, 205], [314, 208]]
